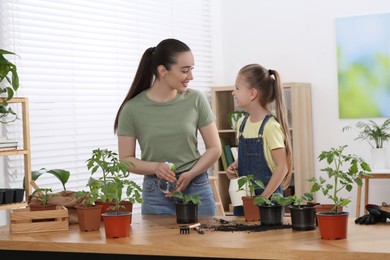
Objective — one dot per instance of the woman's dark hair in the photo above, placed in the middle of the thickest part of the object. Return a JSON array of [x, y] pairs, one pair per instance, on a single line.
[[165, 53]]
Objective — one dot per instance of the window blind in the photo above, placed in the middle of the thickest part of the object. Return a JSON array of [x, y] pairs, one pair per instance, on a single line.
[[76, 60]]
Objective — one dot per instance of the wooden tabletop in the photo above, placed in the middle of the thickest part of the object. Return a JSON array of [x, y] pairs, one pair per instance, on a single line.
[[155, 235]]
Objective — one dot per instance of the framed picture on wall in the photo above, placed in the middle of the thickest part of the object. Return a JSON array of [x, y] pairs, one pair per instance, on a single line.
[[363, 65]]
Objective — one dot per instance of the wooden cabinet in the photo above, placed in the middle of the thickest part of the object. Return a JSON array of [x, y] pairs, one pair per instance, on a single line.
[[24, 151], [298, 102]]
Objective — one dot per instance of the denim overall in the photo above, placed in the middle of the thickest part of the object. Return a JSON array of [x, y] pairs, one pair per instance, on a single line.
[[251, 160]]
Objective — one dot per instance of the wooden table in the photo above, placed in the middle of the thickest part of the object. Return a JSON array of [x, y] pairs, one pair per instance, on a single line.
[[160, 236], [384, 175]]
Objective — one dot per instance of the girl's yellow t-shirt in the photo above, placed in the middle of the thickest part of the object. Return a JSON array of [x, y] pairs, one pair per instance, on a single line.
[[272, 135]]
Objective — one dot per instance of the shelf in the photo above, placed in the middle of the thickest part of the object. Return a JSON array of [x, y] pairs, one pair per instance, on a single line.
[[24, 151], [298, 103], [13, 205]]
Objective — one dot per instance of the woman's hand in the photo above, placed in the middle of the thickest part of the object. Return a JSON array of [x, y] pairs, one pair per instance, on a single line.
[[231, 171], [164, 172]]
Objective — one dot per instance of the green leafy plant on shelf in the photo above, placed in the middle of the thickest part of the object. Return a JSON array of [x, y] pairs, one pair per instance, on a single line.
[[9, 84], [233, 117], [375, 134]]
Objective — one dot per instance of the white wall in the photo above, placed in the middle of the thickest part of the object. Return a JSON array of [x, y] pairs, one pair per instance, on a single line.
[[297, 38]]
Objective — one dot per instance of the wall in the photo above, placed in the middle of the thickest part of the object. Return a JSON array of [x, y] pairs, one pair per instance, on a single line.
[[298, 39]]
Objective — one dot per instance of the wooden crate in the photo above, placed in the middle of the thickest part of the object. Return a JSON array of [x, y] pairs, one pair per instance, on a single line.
[[25, 221]]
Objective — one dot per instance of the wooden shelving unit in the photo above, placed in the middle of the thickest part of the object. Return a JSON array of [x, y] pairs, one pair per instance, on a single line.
[[298, 101], [25, 151]]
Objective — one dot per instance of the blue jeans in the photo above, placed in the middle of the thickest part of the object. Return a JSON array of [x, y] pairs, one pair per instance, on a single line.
[[155, 202]]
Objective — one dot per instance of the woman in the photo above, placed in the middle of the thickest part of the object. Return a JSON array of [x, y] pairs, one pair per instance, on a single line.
[[164, 116]]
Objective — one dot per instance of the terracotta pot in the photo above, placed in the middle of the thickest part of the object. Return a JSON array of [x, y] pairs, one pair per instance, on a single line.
[[326, 208], [186, 213], [333, 225], [271, 215], [89, 218], [251, 211], [116, 225], [303, 218]]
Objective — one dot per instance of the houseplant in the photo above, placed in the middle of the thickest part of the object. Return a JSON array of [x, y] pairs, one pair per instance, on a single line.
[[271, 209], [40, 200], [8, 88], [249, 184], [302, 211], [342, 172], [109, 188], [233, 117], [186, 207], [89, 214], [376, 135]]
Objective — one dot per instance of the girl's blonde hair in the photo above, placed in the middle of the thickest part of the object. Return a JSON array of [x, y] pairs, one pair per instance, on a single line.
[[268, 83]]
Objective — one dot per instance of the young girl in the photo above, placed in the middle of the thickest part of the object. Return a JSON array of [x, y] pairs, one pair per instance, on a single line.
[[163, 115], [264, 148]]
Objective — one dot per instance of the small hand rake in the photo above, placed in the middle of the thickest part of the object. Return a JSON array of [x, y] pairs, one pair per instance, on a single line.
[[186, 229]]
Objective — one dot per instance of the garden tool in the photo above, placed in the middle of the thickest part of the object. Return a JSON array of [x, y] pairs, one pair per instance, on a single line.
[[186, 229]]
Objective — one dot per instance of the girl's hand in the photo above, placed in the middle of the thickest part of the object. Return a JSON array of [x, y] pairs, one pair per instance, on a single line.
[[231, 171]]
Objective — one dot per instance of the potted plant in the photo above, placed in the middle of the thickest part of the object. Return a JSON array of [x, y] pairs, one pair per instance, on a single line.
[[40, 200], [186, 207], [233, 117], [89, 214], [342, 172], [8, 88], [271, 209], [110, 186], [302, 211], [249, 184], [376, 135]]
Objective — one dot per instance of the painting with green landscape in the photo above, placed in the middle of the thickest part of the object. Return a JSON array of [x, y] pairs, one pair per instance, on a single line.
[[363, 60]]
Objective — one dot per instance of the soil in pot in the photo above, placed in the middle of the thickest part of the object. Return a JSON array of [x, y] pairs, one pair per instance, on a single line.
[[303, 218], [41, 207], [271, 215], [186, 213], [333, 225], [116, 225]]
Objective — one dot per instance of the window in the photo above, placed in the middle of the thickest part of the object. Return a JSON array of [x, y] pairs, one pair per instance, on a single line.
[[77, 59]]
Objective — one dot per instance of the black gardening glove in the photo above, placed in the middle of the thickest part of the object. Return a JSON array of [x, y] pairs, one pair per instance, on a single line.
[[375, 215]]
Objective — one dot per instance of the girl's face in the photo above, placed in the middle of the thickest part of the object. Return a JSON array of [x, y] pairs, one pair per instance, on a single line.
[[180, 73], [243, 94]]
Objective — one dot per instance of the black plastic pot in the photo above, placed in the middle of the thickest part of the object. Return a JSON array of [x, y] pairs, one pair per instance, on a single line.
[[186, 213], [303, 218], [18, 195], [8, 196], [271, 215]]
